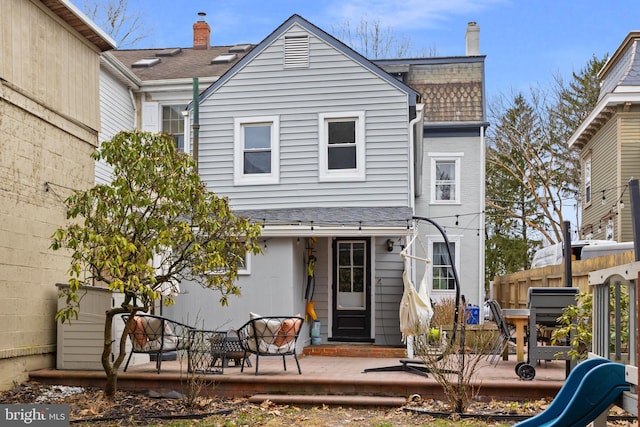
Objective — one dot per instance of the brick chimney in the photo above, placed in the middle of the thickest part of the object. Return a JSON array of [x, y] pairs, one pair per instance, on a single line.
[[201, 33], [472, 38]]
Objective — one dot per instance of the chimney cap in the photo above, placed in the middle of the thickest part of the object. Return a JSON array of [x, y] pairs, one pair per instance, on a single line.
[[203, 14]]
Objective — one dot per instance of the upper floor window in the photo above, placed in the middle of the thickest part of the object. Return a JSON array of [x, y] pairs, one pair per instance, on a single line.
[[445, 178], [587, 181], [173, 123], [341, 145], [256, 150]]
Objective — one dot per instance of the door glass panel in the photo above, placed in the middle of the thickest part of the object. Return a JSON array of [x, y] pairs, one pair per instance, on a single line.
[[351, 276]]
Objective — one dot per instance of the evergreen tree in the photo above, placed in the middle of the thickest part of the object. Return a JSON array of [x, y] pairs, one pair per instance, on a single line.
[[531, 172]]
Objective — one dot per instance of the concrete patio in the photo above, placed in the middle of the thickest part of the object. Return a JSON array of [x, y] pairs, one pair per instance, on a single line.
[[338, 379]]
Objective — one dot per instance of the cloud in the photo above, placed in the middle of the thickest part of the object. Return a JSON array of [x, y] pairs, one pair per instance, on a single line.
[[408, 14]]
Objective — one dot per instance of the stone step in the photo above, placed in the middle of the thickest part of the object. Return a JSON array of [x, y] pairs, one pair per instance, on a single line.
[[329, 400]]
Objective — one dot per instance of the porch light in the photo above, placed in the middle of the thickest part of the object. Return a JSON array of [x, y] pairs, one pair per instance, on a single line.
[[389, 245]]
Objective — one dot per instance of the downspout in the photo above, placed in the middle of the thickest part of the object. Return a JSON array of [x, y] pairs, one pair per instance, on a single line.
[[415, 155], [135, 109], [196, 120], [481, 219]]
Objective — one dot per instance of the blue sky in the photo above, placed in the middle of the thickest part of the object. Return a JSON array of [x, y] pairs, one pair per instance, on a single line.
[[526, 42]]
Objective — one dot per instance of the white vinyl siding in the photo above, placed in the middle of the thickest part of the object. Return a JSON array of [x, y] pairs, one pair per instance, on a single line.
[[332, 83], [116, 114], [257, 154], [387, 283], [469, 225]]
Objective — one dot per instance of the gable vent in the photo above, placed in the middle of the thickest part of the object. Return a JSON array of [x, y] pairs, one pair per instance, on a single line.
[[296, 51]]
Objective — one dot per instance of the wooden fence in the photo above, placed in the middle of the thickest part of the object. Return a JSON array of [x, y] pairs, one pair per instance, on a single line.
[[511, 290]]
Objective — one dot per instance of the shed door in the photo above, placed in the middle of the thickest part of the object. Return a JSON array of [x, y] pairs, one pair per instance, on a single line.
[[351, 290]]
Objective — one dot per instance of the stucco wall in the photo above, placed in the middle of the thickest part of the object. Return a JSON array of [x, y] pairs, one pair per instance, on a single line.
[[48, 127], [33, 152]]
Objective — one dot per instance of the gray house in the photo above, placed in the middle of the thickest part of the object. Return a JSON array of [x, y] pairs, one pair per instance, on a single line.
[[449, 164], [333, 155]]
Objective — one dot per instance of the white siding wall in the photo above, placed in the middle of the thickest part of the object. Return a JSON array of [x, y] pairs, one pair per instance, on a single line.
[[333, 82], [268, 291], [470, 221], [388, 291], [116, 114]]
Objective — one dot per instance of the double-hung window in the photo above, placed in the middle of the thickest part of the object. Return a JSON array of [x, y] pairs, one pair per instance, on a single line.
[[587, 181], [445, 178], [256, 150], [341, 145], [173, 124], [441, 266]]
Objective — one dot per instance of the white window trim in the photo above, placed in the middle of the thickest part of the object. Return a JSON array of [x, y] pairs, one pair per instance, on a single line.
[[242, 271], [240, 178], [357, 174], [455, 157], [187, 126], [440, 293]]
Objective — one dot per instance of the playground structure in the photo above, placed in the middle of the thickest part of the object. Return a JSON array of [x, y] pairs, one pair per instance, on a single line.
[[610, 375], [607, 287], [591, 388]]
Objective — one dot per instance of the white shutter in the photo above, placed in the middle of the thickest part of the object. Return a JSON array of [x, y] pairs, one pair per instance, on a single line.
[[151, 116]]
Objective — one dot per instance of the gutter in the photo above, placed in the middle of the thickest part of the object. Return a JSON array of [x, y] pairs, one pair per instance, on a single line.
[[305, 230]]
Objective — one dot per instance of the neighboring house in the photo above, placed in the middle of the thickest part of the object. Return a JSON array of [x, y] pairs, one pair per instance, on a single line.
[[450, 162], [49, 121], [332, 154], [609, 145]]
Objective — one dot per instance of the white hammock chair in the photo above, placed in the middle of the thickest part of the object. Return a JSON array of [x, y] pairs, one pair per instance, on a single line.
[[416, 310]]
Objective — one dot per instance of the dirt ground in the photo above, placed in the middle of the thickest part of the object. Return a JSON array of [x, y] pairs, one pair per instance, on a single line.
[[88, 406]]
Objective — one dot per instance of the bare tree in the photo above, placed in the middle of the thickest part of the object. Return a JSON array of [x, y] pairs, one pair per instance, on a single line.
[[528, 166], [372, 40], [454, 365], [532, 174], [126, 26]]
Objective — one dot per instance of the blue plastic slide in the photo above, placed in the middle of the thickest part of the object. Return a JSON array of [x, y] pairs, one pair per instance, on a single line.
[[591, 388]]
